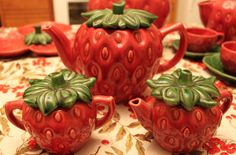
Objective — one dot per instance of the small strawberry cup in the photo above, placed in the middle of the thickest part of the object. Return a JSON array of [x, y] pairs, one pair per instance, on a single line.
[[183, 112]]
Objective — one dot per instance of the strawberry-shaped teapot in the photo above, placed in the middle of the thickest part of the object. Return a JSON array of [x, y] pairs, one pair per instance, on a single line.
[[121, 48], [160, 8], [184, 110], [220, 16], [59, 111]]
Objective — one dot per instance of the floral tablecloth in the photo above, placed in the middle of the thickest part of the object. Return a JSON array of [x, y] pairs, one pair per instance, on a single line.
[[123, 135]]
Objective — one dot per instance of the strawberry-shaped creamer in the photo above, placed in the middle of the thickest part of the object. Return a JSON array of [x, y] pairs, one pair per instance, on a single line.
[[59, 111], [184, 110], [121, 48]]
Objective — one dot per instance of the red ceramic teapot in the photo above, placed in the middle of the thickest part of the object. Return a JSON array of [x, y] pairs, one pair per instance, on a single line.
[[121, 48], [59, 111], [184, 111], [160, 8], [220, 16]]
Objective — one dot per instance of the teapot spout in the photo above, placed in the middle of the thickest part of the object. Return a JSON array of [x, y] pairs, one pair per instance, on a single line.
[[143, 111], [205, 9], [63, 45]]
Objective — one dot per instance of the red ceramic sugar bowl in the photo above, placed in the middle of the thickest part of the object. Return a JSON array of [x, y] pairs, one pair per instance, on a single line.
[[59, 111], [183, 111], [228, 57], [121, 51], [203, 39]]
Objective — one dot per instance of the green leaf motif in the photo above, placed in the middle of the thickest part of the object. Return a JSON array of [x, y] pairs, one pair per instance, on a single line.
[[58, 90], [187, 98], [118, 18], [182, 88], [170, 95], [38, 37]]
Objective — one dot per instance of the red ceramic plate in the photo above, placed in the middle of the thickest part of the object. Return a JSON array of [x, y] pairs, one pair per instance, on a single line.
[[48, 50], [11, 43], [12, 40]]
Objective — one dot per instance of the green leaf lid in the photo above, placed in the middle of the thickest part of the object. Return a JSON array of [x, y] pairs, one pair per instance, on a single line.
[[38, 37], [119, 18], [182, 88], [58, 90]]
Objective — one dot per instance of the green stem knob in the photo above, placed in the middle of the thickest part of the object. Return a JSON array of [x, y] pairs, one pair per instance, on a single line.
[[58, 80], [38, 29], [118, 8], [185, 78]]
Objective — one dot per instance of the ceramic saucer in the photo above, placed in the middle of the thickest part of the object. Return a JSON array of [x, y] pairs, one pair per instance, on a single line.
[[12, 40], [195, 55], [11, 43], [214, 64]]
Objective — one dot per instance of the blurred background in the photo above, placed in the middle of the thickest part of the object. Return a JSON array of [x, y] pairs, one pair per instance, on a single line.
[[21, 12]]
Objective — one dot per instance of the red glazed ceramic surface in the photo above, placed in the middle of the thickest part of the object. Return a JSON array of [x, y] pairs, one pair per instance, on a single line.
[[220, 16], [121, 60], [63, 131], [47, 50], [160, 8], [123, 133], [203, 39], [176, 129], [228, 57], [9, 36], [17, 35], [121, 53], [184, 110]]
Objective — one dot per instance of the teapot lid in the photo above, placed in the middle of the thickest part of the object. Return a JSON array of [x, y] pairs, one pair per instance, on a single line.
[[38, 37], [119, 18], [182, 88], [58, 90]]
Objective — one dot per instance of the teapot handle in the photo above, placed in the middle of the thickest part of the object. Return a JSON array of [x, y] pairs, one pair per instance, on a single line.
[[225, 100], [182, 48], [9, 108], [109, 102]]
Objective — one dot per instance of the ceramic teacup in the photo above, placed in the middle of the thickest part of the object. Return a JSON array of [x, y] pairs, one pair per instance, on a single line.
[[203, 39], [228, 56]]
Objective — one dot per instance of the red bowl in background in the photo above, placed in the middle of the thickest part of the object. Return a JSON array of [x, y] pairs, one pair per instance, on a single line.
[[203, 39], [228, 57]]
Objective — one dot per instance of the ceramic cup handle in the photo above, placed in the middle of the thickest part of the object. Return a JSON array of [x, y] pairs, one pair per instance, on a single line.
[[9, 108], [109, 102], [225, 100], [220, 38], [182, 48]]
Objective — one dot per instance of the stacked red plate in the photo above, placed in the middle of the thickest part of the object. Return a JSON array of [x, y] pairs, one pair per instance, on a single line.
[[12, 40], [11, 43]]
